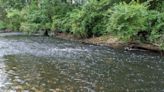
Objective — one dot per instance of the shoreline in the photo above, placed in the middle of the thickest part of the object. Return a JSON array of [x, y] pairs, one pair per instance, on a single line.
[[109, 41], [113, 42]]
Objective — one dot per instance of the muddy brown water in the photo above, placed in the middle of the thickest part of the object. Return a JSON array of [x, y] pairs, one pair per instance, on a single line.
[[44, 64]]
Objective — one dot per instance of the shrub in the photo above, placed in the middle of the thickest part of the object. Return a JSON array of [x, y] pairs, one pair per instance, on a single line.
[[77, 23], [57, 22], [157, 28], [87, 21], [29, 27], [127, 20], [2, 25], [13, 19]]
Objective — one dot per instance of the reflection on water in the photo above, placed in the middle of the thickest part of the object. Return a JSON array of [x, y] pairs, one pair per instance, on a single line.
[[41, 64]]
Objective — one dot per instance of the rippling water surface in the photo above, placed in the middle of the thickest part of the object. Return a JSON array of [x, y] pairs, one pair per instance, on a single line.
[[42, 64]]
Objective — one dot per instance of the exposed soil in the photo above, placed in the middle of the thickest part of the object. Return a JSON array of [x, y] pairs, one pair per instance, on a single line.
[[113, 42]]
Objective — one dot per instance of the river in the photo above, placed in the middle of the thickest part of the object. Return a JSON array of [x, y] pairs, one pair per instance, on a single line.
[[44, 64]]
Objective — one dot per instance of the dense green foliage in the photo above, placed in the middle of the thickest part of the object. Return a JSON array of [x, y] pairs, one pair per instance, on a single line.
[[127, 20], [131, 20]]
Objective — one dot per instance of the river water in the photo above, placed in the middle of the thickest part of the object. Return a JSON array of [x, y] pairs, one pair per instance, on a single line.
[[44, 64]]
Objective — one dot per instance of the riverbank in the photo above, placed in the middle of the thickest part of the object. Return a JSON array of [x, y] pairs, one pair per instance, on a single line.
[[109, 41], [113, 42]]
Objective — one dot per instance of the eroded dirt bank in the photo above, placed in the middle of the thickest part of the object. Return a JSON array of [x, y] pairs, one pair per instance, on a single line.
[[113, 42]]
